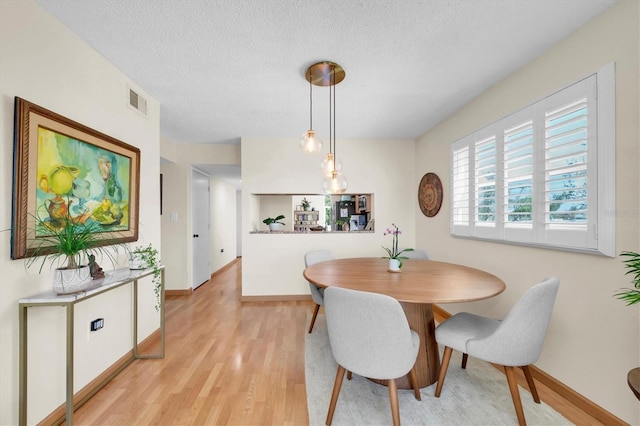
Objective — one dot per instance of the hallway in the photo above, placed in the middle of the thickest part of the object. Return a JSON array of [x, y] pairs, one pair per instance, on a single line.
[[225, 363]]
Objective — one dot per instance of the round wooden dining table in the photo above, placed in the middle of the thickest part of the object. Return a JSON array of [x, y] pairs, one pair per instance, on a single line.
[[419, 285]]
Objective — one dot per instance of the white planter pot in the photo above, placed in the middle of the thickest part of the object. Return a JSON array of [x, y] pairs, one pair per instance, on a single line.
[[276, 227], [394, 265], [73, 280]]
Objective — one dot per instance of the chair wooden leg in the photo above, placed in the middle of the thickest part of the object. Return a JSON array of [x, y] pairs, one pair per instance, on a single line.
[[531, 383], [464, 360], [393, 396], [313, 319], [515, 394], [349, 375], [446, 357], [413, 379], [334, 396]]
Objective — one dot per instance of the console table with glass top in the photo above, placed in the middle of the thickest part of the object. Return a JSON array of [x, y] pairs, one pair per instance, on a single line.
[[111, 281]]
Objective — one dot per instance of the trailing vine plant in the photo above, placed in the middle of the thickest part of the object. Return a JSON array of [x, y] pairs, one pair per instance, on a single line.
[[147, 257]]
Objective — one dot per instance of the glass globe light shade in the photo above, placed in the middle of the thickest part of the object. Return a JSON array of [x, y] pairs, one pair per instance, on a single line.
[[328, 163], [335, 183], [310, 142]]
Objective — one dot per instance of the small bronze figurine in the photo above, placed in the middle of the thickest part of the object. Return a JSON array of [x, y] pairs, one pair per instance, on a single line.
[[95, 269]]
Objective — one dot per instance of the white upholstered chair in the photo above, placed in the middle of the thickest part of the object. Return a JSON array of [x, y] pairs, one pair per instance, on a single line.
[[369, 335], [312, 258], [513, 342], [416, 254]]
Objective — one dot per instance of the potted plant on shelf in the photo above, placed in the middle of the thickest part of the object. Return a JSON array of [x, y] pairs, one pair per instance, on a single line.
[[342, 225], [395, 257], [274, 224], [306, 205], [74, 241], [146, 257]]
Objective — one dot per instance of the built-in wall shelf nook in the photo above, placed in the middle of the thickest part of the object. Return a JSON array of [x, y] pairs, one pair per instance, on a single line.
[[313, 213]]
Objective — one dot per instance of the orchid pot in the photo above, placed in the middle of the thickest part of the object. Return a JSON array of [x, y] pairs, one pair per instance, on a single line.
[[394, 264]]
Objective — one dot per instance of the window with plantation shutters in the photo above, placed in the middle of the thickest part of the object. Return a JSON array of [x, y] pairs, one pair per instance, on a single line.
[[543, 175]]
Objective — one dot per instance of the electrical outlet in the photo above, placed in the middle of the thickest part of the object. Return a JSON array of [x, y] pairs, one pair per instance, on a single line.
[[96, 324]]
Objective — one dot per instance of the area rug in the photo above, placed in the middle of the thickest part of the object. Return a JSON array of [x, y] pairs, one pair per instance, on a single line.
[[477, 395]]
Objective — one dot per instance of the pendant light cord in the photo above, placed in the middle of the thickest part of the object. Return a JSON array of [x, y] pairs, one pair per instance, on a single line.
[[330, 123], [310, 102], [333, 87]]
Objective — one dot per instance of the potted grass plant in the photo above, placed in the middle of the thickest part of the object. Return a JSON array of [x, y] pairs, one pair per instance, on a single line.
[[71, 244]]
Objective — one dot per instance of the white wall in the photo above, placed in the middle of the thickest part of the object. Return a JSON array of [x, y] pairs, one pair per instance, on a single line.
[[223, 223], [273, 264], [594, 339], [238, 223], [43, 62], [177, 236]]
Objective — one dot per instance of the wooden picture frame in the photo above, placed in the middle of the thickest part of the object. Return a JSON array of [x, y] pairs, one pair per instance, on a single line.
[[64, 170], [362, 203]]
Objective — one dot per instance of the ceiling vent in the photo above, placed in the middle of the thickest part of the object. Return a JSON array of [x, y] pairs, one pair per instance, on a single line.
[[137, 102]]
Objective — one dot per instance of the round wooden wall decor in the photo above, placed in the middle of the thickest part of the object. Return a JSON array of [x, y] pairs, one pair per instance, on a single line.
[[430, 194]]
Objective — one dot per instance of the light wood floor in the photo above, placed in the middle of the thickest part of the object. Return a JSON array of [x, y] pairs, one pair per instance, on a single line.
[[226, 363]]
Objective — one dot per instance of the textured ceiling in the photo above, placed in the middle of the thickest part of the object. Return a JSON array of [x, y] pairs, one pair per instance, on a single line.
[[229, 69]]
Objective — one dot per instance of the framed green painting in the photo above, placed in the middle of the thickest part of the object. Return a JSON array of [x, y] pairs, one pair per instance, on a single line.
[[65, 171]]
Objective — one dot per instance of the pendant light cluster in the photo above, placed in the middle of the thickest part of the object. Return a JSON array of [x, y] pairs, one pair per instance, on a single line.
[[325, 74]]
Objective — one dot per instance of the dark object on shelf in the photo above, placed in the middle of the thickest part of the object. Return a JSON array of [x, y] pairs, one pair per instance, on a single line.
[[344, 209], [94, 269], [633, 378], [317, 228]]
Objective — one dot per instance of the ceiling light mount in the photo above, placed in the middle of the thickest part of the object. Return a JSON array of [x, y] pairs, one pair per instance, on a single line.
[[325, 73]]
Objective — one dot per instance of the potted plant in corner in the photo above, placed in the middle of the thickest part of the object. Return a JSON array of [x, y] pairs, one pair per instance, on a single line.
[[274, 224], [632, 296], [142, 257], [73, 241]]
